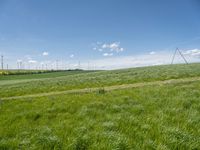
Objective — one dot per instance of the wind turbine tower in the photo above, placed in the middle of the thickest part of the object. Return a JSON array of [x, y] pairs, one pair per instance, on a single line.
[[2, 62]]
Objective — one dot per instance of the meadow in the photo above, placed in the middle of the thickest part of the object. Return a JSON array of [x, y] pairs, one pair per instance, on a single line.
[[161, 117], [33, 84]]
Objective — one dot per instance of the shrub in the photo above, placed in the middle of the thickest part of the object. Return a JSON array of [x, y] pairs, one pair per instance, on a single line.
[[101, 91]]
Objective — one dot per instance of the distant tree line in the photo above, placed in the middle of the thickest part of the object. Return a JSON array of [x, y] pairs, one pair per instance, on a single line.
[[23, 72]]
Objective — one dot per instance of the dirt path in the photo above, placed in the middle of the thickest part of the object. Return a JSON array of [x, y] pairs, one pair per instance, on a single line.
[[107, 88]]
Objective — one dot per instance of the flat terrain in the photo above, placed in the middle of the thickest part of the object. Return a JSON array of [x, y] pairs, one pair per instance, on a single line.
[[141, 108]]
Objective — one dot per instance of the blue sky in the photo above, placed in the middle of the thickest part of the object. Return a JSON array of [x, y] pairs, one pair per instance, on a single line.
[[101, 32]]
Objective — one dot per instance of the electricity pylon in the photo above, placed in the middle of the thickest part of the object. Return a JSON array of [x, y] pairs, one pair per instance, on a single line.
[[177, 50]]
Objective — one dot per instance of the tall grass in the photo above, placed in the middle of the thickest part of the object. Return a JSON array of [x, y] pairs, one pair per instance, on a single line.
[[159, 117]]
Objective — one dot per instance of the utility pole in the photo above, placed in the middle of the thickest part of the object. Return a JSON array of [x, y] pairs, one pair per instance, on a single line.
[[7, 66], [2, 62]]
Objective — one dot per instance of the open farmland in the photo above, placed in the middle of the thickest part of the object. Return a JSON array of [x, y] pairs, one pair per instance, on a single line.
[[140, 108]]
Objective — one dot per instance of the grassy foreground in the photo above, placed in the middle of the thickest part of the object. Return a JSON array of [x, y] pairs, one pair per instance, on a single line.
[[150, 117]]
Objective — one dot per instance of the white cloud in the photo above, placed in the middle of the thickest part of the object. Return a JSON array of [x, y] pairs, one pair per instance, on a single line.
[[107, 54], [19, 60], [45, 54], [134, 61], [108, 47], [192, 52], [28, 57], [119, 62], [159, 58], [71, 56], [32, 61], [113, 47], [105, 46], [152, 53]]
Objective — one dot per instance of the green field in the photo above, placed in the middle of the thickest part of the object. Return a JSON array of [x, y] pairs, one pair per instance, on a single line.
[[140, 108]]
